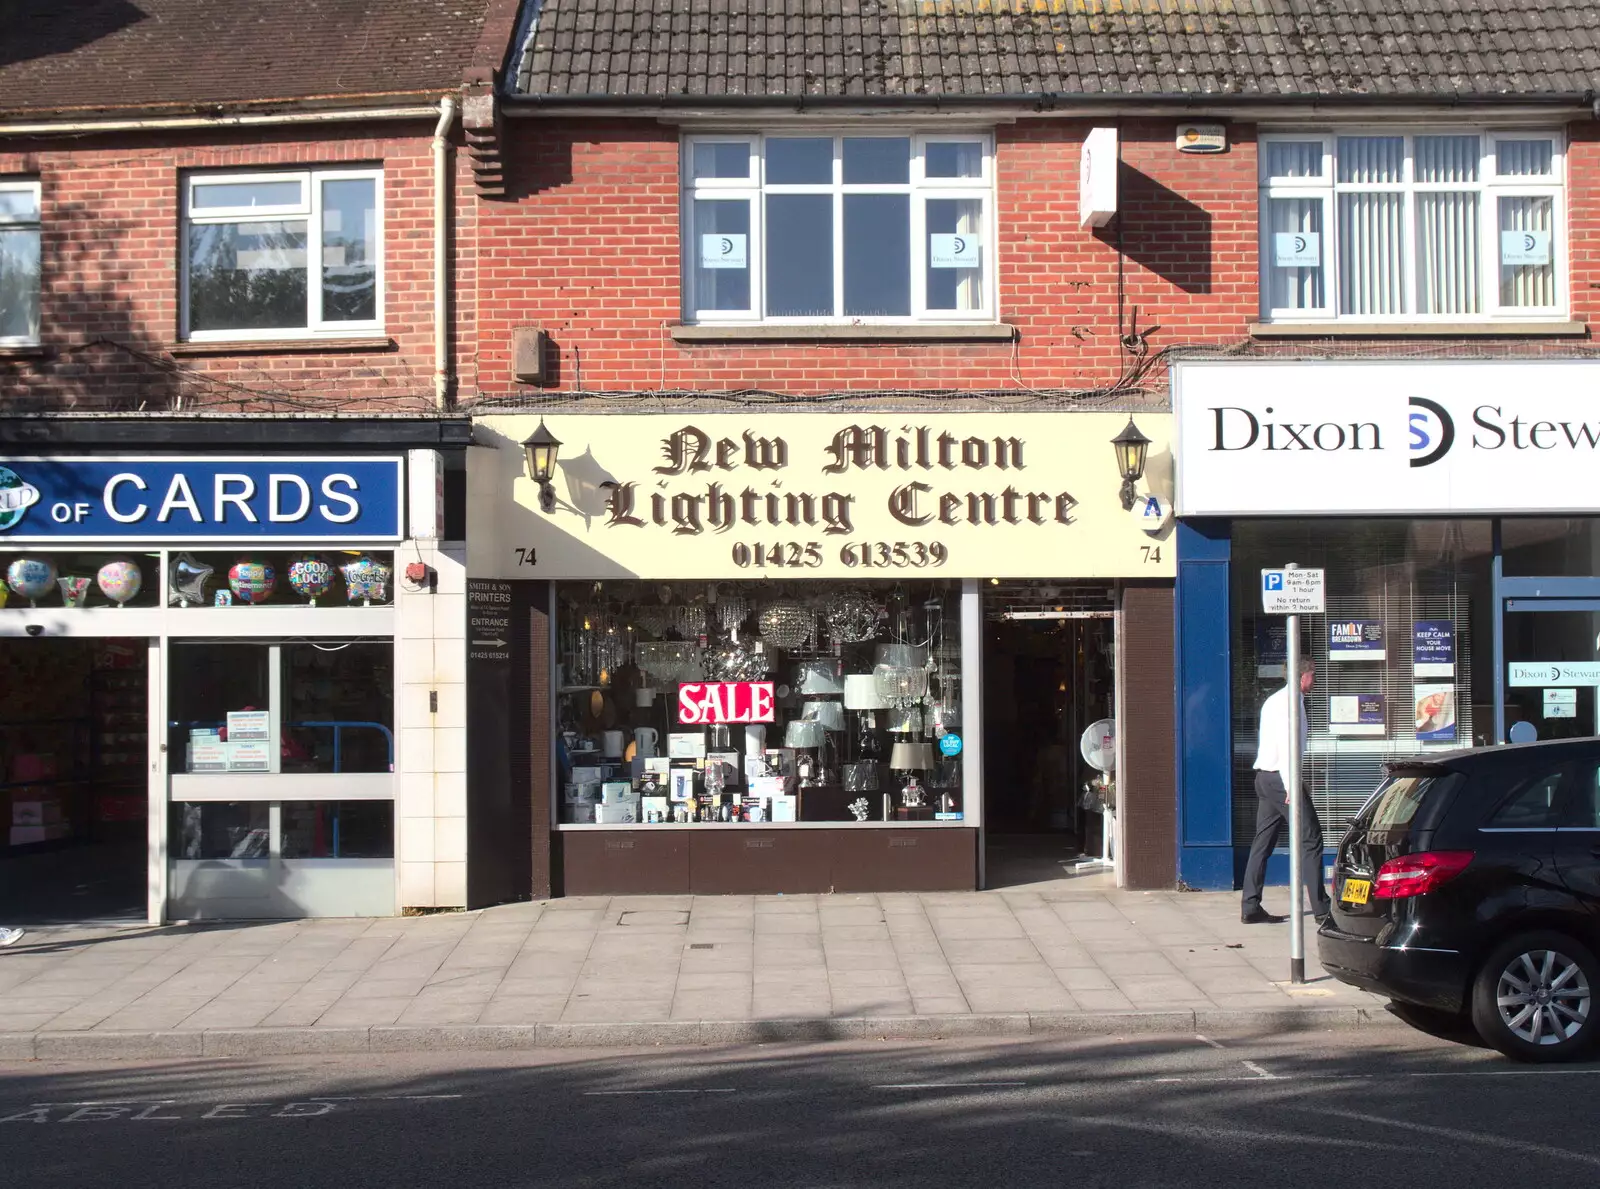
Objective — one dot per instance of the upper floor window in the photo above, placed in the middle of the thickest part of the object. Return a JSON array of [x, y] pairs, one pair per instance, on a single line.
[[19, 262], [1412, 226], [847, 228], [273, 254]]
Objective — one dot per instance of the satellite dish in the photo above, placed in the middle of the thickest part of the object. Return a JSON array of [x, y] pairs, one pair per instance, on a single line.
[[1099, 745]]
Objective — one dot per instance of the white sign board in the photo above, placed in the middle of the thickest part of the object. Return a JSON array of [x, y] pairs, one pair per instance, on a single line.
[[1524, 247], [724, 251], [1561, 703], [1296, 249], [245, 725], [952, 251], [1398, 438], [1097, 178], [1292, 592], [1554, 673]]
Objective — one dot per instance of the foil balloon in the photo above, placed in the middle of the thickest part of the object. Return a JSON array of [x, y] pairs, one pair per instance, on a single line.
[[119, 581], [365, 578], [252, 581], [74, 590], [310, 577], [31, 577], [187, 577]]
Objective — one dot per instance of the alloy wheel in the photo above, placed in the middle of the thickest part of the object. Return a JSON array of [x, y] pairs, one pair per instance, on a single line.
[[1543, 997]]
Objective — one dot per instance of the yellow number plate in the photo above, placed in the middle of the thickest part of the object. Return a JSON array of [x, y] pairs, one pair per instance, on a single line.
[[1356, 891]]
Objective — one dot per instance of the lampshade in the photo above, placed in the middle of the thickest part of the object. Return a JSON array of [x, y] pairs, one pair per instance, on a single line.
[[801, 733], [903, 656], [911, 757], [861, 693], [829, 714], [820, 677], [905, 720]]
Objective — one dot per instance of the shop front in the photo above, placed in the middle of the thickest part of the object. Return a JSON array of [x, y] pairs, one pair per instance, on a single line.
[[198, 681], [1450, 504], [818, 651]]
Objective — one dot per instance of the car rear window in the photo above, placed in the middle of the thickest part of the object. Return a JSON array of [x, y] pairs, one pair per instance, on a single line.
[[1389, 814]]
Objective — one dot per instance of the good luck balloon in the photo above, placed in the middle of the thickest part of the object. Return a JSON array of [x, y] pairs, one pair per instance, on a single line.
[[310, 577]]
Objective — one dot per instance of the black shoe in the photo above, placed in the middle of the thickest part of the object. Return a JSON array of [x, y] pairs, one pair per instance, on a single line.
[[1260, 916]]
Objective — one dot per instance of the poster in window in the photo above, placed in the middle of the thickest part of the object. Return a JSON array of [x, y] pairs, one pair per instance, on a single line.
[[1358, 714], [1436, 713], [1561, 703], [1433, 648], [1272, 647], [1296, 249], [724, 251], [1524, 247], [1356, 640], [953, 251]]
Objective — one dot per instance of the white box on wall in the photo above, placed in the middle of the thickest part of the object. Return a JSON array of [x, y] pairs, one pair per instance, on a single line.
[[425, 484]]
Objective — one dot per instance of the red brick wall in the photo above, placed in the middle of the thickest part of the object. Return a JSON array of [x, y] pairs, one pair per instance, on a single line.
[[110, 287], [589, 249]]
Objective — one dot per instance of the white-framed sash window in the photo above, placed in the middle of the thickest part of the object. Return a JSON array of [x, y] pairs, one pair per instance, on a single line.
[[20, 227], [1443, 225], [279, 255], [846, 228]]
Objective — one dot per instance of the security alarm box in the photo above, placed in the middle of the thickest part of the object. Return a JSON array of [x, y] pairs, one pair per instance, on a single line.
[[1202, 138]]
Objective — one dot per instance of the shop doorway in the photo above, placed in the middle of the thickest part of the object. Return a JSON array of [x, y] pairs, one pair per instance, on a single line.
[[1049, 674], [74, 758]]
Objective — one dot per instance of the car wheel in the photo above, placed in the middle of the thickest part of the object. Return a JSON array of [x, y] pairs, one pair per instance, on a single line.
[[1534, 998]]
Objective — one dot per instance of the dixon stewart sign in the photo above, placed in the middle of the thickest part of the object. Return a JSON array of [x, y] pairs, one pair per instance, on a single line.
[[1401, 438], [820, 495]]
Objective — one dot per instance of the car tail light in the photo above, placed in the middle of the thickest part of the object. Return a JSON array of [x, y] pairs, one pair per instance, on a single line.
[[1412, 875]]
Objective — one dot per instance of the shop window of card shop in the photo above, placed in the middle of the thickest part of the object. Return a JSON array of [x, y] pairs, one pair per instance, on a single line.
[[733, 703]]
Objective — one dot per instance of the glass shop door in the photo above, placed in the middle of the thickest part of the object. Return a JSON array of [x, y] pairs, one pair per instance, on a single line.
[[1552, 659]]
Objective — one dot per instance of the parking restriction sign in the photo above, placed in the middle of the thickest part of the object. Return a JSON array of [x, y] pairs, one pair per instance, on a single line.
[[1292, 592]]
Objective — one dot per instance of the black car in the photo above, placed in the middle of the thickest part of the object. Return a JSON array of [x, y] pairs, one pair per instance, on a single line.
[[1469, 884]]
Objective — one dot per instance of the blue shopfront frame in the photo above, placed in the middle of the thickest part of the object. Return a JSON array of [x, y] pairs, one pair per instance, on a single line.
[[1208, 856], [165, 499]]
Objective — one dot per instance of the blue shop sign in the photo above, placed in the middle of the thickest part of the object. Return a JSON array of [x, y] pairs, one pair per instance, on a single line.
[[153, 500]]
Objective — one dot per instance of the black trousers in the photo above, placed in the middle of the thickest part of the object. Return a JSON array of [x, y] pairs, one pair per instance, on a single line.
[[1272, 816]]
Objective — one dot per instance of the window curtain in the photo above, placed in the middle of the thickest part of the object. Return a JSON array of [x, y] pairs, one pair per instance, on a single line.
[[1448, 239], [1372, 253]]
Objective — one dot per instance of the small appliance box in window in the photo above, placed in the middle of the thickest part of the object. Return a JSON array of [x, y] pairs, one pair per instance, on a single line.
[[625, 813], [617, 792], [686, 745], [682, 786], [587, 775], [783, 808], [582, 815]]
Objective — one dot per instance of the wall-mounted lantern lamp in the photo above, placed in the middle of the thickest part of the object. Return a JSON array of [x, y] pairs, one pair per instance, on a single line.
[[1131, 447], [540, 451]]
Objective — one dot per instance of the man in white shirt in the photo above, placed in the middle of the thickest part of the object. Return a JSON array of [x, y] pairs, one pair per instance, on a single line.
[[1272, 808]]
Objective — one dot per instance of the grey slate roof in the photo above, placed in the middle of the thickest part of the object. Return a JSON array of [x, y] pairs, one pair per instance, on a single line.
[[1416, 49]]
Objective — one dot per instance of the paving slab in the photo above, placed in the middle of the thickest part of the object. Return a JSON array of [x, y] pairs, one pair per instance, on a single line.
[[1063, 957]]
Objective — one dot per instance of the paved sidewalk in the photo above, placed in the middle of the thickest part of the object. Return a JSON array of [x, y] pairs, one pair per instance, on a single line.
[[671, 970]]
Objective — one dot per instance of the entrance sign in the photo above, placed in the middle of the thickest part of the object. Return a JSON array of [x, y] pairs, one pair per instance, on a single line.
[[191, 500], [859, 496], [1292, 592], [1403, 438]]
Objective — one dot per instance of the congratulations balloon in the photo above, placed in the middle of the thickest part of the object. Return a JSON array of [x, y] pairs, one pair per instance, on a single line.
[[365, 578]]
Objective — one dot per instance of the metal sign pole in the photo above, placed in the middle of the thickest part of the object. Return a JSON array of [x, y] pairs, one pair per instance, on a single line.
[[1291, 782]]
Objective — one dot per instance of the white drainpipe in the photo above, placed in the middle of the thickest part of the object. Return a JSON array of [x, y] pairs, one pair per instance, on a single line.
[[441, 250]]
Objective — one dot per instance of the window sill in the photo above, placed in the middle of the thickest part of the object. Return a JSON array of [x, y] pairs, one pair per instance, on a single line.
[[23, 351], [278, 346], [961, 332], [1378, 330]]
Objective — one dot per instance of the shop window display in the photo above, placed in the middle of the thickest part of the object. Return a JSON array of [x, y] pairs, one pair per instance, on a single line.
[[77, 580], [336, 578], [758, 702], [1403, 657]]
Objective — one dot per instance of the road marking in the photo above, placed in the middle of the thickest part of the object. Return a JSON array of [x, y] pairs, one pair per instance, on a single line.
[[1258, 1071], [946, 1085], [620, 1093], [1206, 1040]]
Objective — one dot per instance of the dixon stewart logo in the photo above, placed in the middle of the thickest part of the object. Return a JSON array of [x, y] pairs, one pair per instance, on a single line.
[[1432, 431], [16, 497]]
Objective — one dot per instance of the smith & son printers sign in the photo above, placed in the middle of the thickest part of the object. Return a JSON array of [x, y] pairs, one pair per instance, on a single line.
[[825, 495]]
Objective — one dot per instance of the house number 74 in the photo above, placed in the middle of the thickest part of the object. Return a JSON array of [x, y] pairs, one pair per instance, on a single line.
[[527, 557]]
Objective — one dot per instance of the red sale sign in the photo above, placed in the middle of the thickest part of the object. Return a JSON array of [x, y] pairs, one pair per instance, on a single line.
[[701, 703]]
